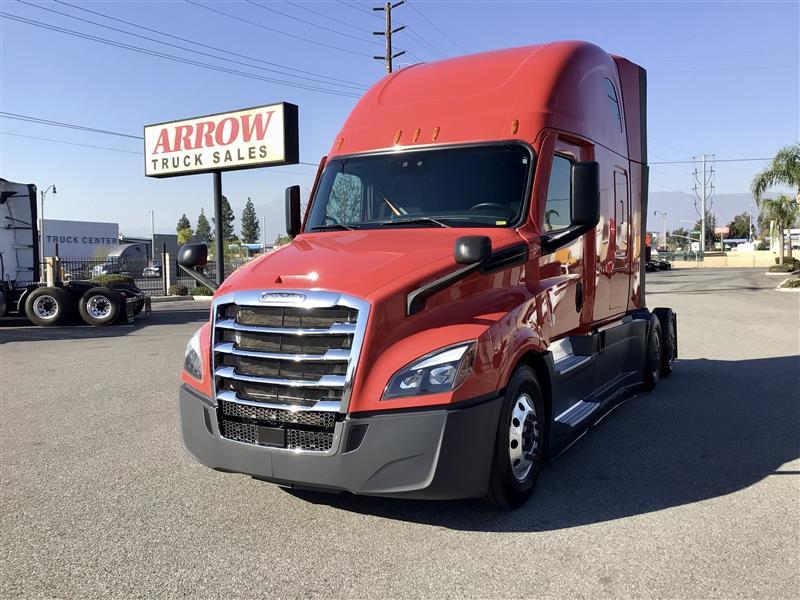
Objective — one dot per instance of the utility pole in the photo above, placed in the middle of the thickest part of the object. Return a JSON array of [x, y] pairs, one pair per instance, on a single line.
[[704, 190], [388, 57]]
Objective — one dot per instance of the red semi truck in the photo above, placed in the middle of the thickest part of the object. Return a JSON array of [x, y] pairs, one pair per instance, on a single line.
[[464, 296]]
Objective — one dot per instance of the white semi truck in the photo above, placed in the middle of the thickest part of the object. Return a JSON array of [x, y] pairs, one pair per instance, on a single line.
[[23, 289]]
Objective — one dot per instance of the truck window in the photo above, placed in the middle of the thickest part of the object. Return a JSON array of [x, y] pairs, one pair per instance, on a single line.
[[613, 102], [476, 186], [557, 209]]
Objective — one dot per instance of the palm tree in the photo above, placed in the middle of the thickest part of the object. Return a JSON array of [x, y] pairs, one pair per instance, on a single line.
[[784, 169], [783, 211]]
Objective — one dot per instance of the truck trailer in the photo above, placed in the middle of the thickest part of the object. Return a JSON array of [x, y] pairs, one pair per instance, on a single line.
[[23, 289], [463, 297]]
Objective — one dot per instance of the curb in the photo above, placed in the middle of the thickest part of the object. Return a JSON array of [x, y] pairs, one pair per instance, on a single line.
[[783, 289], [156, 299]]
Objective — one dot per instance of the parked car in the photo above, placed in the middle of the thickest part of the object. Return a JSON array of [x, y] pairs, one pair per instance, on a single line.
[[153, 270]]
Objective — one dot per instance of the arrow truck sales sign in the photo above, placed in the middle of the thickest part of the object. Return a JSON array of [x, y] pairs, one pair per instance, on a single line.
[[243, 139]]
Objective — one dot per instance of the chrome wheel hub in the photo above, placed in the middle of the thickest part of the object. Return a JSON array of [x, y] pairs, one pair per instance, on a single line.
[[45, 307], [98, 307], [524, 437]]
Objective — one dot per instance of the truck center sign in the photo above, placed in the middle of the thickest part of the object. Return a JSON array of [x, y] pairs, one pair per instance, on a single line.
[[243, 139]]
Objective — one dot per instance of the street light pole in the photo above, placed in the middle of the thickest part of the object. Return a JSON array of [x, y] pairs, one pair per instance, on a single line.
[[41, 220], [152, 235]]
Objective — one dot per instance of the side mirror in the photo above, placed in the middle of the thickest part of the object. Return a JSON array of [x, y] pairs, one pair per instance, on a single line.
[[585, 194], [293, 210], [472, 249], [193, 255]]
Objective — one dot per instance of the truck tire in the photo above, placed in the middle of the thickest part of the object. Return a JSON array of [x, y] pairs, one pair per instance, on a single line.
[[653, 352], [669, 339], [46, 306], [99, 306], [519, 444]]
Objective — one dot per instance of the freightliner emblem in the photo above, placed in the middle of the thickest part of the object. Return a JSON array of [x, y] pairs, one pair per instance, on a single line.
[[281, 297]]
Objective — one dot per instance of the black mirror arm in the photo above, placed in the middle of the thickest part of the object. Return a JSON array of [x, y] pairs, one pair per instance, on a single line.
[[552, 242], [200, 278]]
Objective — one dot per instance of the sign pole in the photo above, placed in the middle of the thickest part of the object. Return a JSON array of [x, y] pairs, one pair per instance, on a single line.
[[219, 243]]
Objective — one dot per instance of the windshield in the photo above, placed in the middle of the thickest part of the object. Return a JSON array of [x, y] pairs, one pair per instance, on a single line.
[[479, 186]]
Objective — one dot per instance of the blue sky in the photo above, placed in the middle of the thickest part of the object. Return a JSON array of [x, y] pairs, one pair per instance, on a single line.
[[723, 79]]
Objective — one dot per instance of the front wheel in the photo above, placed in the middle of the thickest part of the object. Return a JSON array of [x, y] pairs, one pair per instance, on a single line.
[[520, 442]]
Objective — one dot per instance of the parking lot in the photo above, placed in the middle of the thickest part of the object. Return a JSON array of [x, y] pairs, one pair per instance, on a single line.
[[689, 491]]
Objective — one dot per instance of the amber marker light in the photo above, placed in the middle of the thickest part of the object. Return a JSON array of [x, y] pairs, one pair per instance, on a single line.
[[416, 134], [435, 133], [397, 136], [514, 126], [339, 145]]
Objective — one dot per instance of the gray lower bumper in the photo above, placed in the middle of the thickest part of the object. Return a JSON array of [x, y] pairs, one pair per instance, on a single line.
[[425, 454]]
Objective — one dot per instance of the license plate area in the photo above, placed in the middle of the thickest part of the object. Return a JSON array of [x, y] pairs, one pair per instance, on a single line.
[[271, 436]]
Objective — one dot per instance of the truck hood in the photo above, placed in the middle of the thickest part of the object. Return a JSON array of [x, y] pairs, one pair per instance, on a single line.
[[360, 263]]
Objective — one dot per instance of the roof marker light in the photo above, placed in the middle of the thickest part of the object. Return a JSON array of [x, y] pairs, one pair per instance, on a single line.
[[398, 135], [339, 145], [435, 133], [416, 134], [514, 126]]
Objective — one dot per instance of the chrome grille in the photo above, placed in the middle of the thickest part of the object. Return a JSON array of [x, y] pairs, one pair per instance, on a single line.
[[287, 364]]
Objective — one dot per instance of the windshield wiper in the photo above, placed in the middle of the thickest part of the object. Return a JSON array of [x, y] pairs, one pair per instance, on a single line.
[[332, 226], [414, 220]]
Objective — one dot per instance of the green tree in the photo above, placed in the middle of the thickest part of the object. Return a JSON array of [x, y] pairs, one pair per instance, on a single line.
[[783, 170], [202, 232], [711, 223], [183, 223], [228, 219], [740, 226], [281, 240], [250, 229], [783, 211]]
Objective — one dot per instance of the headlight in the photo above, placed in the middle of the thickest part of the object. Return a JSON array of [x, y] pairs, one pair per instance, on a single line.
[[440, 371], [192, 363]]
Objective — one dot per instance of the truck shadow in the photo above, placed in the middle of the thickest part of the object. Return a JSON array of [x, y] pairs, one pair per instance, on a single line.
[[711, 429], [19, 329]]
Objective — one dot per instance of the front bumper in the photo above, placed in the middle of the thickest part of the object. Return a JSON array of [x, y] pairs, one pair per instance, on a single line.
[[423, 454]]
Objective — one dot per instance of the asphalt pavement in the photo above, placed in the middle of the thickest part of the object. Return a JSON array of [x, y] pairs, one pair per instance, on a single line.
[[689, 491]]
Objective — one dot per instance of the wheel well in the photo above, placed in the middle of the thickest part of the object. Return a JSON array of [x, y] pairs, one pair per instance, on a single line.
[[537, 362]]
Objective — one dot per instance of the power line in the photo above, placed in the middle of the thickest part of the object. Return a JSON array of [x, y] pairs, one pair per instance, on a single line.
[[436, 27], [323, 15], [202, 45], [172, 57], [40, 121], [691, 162], [144, 37], [287, 15], [33, 137], [278, 31]]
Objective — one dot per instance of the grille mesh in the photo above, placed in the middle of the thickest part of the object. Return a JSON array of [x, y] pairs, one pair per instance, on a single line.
[[269, 415], [296, 439]]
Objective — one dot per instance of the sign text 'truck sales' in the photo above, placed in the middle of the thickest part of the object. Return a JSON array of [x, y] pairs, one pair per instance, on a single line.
[[243, 139]]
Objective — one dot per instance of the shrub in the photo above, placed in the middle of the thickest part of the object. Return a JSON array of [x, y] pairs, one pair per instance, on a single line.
[[202, 291], [112, 280], [178, 290], [781, 268], [789, 260], [791, 283]]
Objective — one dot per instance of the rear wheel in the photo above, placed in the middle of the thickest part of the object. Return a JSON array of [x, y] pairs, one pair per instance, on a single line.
[[669, 341], [652, 363], [46, 306], [99, 306], [520, 442]]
